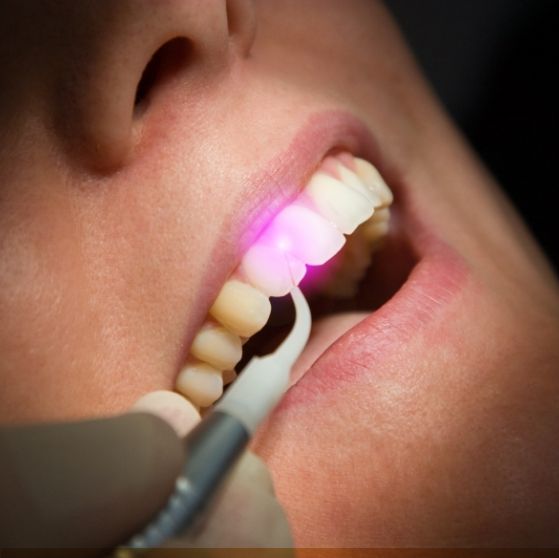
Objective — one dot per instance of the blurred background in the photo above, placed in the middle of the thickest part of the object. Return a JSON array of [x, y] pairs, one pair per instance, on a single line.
[[494, 64]]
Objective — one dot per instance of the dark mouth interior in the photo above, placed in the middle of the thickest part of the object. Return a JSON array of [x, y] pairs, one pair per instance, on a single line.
[[389, 269]]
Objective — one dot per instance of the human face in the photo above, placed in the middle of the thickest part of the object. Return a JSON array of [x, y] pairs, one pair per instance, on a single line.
[[432, 420]]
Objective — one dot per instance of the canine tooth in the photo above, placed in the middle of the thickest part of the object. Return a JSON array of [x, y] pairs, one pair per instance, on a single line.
[[217, 346], [372, 178], [201, 383], [241, 308], [271, 270], [304, 234], [338, 202]]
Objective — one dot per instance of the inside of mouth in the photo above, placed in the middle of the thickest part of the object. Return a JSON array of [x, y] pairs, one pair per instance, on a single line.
[[387, 272]]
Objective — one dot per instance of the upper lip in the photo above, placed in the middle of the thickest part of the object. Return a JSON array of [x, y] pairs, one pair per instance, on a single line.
[[272, 187], [279, 182]]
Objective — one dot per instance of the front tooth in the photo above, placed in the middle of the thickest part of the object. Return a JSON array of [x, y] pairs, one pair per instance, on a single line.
[[241, 308], [338, 202], [201, 383], [347, 176], [271, 270], [304, 234], [372, 178], [217, 346]]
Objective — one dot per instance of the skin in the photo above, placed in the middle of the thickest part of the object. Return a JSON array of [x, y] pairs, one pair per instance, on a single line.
[[106, 248]]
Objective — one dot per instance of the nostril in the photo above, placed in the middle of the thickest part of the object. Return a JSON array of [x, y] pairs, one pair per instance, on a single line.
[[165, 64]]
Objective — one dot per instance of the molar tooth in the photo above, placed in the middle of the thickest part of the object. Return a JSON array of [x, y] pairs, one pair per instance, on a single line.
[[201, 383], [372, 178], [346, 207], [382, 215], [270, 270], [303, 233], [378, 225], [217, 346], [241, 308]]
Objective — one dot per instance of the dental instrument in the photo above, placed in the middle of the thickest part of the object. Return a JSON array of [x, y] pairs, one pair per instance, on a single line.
[[215, 444]]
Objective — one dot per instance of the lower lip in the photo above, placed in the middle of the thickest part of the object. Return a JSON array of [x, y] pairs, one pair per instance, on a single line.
[[436, 280]]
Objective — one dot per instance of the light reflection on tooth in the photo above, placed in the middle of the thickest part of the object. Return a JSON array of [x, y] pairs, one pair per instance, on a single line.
[[241, 308], [372, 178], [201, 383], [339, 203], [270, 270], [217, 346], [305, 234]]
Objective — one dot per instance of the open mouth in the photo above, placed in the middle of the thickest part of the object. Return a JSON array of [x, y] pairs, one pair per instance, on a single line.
[[339, 238]]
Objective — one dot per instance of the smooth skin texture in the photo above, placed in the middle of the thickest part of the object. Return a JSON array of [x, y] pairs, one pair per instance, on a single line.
[[106, 247]]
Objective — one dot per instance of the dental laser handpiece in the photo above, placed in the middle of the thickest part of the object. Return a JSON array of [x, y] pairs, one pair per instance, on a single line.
[[214, 446]]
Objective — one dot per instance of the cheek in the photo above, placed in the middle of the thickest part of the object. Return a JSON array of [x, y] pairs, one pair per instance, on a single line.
[[95, 284], [100, 278], [450, 418], [45, 300]]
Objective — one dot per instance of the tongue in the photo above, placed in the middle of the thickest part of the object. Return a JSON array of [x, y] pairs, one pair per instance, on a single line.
[[324, 333]]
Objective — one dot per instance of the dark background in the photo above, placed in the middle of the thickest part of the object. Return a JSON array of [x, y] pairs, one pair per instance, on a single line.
[[494, 63]]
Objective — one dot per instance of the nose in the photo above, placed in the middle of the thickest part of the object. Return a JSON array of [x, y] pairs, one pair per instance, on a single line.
[[115, 57]]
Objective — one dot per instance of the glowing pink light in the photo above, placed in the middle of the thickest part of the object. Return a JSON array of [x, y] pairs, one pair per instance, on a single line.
[[283, 243], [297, 236], [301, 232]]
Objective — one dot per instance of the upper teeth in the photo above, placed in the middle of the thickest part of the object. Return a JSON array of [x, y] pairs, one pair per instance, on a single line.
[[336, 200], [340, 202]]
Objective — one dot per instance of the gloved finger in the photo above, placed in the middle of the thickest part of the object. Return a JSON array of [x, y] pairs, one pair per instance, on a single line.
[[88, 484], [246, 514], [171, 407], [255, 473]]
